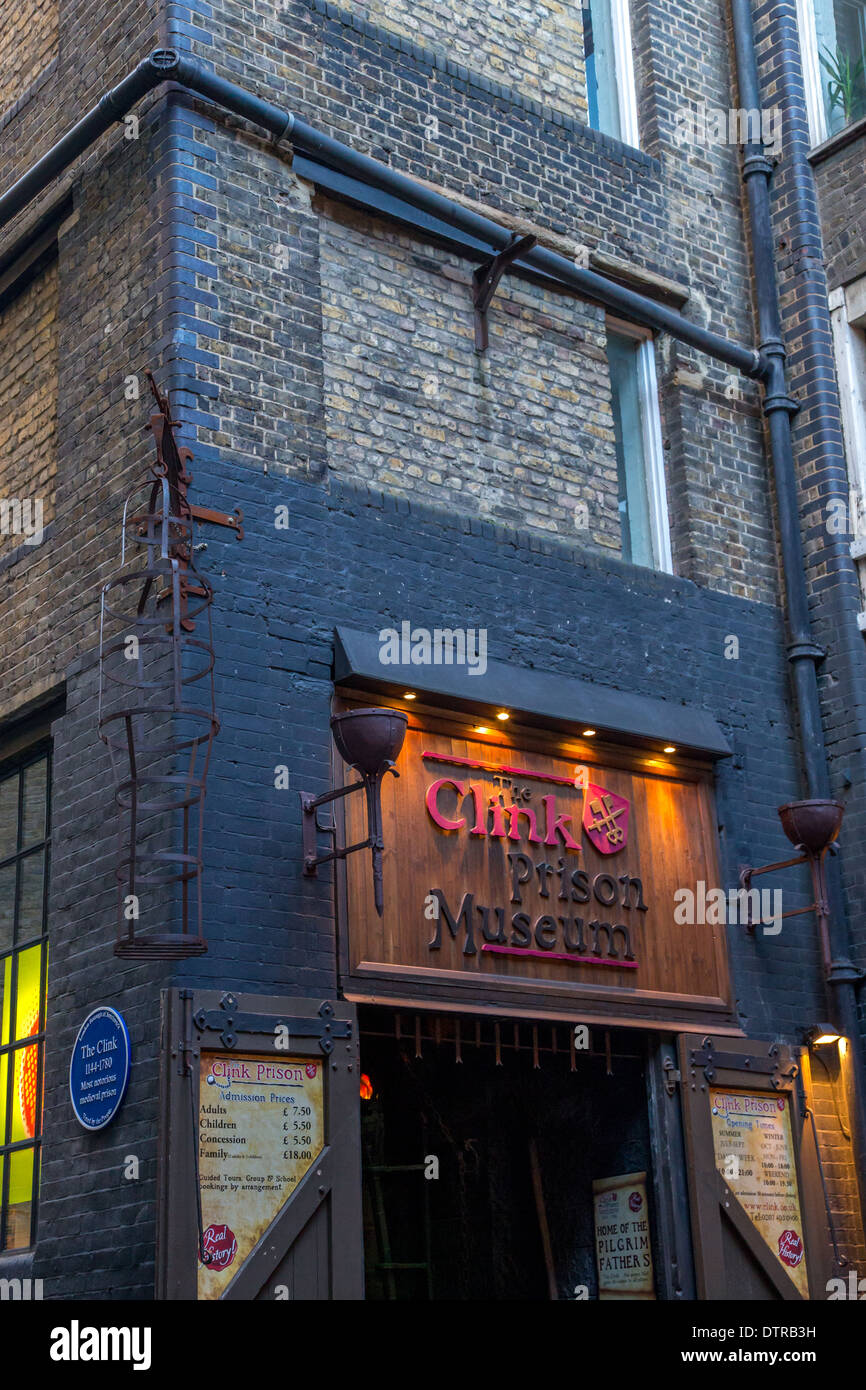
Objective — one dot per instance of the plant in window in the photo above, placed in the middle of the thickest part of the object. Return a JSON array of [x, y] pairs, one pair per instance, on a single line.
[[846, 88]]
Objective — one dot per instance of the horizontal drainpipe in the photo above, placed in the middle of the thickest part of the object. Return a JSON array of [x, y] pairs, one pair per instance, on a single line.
[[166, 64], [803, 652]]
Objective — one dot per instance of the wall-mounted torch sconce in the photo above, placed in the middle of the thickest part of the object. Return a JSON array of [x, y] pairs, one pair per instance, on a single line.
[[811, 826], [369, 740]]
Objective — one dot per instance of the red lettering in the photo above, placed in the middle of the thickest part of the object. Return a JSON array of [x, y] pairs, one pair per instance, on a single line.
[[558, 824], [514, 831], [432, 805]]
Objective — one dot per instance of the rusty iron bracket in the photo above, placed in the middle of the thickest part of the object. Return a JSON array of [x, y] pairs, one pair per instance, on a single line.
[[233, 519], [228, 1023], [309, 807], [485, 280]]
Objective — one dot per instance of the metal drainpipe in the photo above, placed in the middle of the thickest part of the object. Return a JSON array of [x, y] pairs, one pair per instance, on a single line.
[[803, 652], [166, 64]]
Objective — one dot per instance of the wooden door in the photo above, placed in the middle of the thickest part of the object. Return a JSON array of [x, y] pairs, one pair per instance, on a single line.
[[753, 1222], [259, 1153]]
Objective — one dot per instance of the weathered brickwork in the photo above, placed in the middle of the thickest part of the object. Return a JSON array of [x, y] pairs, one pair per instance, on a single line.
[[28, 398], [839, 178], [621, 208], [537, 48], [29, 32], [819, 450], [28, 473], [522, 433], [109, 322]]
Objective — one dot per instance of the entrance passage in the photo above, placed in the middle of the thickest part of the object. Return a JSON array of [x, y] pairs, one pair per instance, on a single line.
[[481, 1142]]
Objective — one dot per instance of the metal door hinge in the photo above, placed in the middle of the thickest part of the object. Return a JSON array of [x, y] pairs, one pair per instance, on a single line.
[[672, 1076]]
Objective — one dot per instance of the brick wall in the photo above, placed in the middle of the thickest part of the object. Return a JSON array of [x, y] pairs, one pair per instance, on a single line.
[[28, 401], [834, 592], [110, 323], [648, 206], [29, 35], [522, 433], [537, 48], [839, 178]]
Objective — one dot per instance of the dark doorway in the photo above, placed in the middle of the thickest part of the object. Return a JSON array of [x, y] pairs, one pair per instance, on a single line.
[[517, 1124]]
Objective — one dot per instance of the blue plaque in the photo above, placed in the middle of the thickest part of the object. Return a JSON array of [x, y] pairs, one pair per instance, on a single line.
[[99, 1068]]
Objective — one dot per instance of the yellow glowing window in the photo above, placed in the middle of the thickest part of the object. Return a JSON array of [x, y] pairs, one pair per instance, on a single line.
[[24, 841]]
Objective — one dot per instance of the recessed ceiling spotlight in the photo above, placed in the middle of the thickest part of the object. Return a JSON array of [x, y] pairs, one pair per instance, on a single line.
[[409, 695], [669, 748], [503, 715], [588, 733]]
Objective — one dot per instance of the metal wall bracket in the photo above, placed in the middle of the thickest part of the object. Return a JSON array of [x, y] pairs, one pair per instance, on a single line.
[[487, 277], [229, 1023], [233, 519]]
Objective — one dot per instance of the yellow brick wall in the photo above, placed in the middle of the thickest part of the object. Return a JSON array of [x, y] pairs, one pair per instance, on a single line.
[[28, 401], [28, 42], [532, 46]]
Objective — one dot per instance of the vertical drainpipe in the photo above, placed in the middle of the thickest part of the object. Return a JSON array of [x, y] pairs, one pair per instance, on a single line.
[[803, 652]]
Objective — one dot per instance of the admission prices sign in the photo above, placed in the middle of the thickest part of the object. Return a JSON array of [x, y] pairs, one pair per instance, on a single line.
[[260, 1129]]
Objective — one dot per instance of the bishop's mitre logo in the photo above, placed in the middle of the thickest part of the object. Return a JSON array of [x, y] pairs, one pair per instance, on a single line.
[[605, 819]]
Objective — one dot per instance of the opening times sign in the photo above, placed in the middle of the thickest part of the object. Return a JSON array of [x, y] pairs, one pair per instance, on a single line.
[[754, 1152], [260, 1129]]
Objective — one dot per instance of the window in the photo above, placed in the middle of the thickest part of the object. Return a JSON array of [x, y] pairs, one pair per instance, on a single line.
[[640, 462], [833, 46], [848, 316], [24, 838], [609, 69]]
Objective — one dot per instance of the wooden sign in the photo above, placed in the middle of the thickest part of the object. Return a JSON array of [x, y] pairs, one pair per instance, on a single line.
[[754, 1151], [525, 878], [623, 1254]]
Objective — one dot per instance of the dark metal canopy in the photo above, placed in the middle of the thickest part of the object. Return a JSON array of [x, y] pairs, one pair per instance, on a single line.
[[540, 698]]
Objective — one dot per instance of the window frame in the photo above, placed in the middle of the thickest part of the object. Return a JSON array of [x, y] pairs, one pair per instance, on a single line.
[[651, 440], [808, 31], [625, 80], [626, 93], [15, 763], [807, 28]]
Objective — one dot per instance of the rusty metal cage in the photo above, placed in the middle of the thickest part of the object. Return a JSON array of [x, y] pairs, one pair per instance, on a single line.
[[157, 709]]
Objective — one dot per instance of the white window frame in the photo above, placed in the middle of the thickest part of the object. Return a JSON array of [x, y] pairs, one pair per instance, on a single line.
[[848, 317], [624, 61], [654, 456], [615, 30], [651, 438], [808, 30]]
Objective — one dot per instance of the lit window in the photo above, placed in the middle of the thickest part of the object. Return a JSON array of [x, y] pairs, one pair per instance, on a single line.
[[833, 44], [639, 457], [24, 838], [607, 50]]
